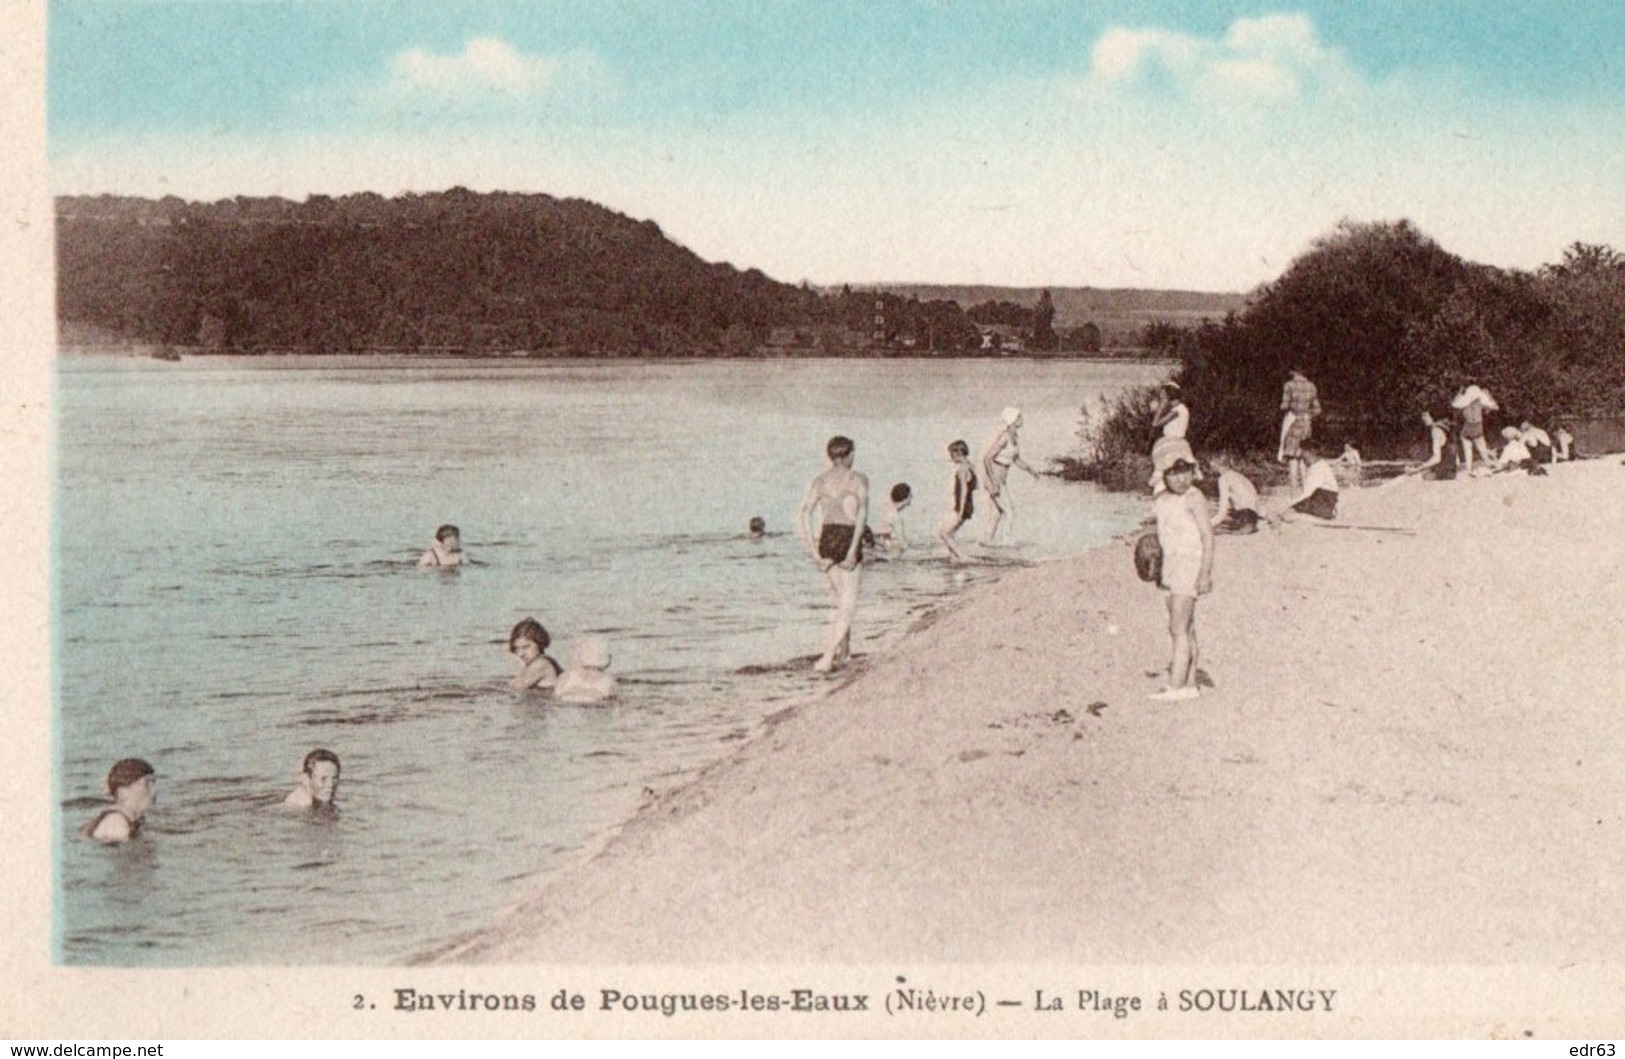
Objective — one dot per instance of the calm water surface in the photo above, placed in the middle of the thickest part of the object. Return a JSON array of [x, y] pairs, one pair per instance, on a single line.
[[234, 584]]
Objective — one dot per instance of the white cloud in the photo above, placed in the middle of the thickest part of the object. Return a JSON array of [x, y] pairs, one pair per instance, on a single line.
[[488, 71], [1275, 59]]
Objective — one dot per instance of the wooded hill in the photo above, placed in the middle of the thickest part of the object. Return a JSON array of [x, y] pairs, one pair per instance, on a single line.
[[457, 271]]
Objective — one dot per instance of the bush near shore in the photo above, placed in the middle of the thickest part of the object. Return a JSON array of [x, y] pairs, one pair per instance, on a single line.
[[1388, 325]]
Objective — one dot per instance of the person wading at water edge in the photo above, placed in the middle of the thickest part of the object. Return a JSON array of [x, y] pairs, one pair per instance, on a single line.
[[830, 524], [1002, 452]]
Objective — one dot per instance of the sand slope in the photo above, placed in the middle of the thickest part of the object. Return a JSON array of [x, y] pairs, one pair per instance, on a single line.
[[1413, 751]]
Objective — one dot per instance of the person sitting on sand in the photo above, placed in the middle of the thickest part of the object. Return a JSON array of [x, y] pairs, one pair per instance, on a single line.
[[1514, 455], [888, 537], [132, 785], [1351, 458], [1171, 421], [1441, 461], [1185, 532], [1538, 442], [963, 489], [834, 512], [586, 680], [1563, 443], [1238, 509], [1320, 489], [318, 781], [1473, 402], [1003, 451], [758, 527], [447, 549], [529, 642]]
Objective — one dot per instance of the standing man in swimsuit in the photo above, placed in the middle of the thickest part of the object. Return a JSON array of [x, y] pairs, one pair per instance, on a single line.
[[840, 496], [1300, 403], [1002, 452]]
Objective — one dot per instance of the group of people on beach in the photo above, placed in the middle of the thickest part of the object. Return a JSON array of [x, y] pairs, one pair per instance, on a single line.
[[1524, 448]]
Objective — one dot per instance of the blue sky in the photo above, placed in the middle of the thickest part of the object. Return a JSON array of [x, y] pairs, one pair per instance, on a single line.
[[1152, 144]]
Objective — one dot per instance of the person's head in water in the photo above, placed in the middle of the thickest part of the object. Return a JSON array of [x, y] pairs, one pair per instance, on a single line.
[[901, 494], [758, 526], [958, 450], [839, 448], [320, 775], [528, 640], [127, 775], [448, 535], [1179, 475]]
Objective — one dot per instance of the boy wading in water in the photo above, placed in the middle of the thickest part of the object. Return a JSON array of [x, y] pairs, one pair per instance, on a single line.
[[840, 498], [1185, 531]]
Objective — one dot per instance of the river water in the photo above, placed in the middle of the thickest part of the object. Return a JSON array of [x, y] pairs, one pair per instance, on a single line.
[[233, 585]]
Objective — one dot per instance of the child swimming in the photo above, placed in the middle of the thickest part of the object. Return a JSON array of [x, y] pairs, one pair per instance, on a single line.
[[529, 642], [318, 781], [447, 549], [132, 784]]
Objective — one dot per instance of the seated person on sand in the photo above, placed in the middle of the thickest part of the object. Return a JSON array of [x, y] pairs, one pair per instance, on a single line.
[[528, 642], [1351, 458], [1238, 510], [758, 528], [586, 679], [1514, 453], [132, 785], [1538, 442], [963, 487], [887, 538], [1441, 461], [318, 782], [447, 549], [1563, 444], [1319, 495]]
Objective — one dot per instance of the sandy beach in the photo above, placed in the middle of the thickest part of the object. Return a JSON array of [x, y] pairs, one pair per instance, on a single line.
[[1410, 752]]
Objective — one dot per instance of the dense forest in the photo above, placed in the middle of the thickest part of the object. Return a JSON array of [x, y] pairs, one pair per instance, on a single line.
[[1389, 324], [460, 272]]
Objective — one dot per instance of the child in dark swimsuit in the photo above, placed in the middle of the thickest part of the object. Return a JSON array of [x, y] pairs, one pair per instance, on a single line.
[[964, 487], [132, 784], [528, 642], [447, 549]]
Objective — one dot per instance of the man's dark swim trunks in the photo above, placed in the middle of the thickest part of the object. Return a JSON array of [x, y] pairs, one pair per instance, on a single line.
[[835, 540]]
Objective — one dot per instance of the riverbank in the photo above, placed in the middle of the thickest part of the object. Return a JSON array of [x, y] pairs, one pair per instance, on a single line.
[[1410, 752]]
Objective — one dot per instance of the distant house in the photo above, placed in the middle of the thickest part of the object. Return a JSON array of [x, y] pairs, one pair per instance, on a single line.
[[1002, 338]]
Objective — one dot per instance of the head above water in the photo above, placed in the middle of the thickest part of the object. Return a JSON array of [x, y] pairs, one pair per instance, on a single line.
[[317, 755], [125, 772], [758, 525], [448, 531], [529, 630], [900, 492]]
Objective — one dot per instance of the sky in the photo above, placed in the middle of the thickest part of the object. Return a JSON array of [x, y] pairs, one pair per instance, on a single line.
[[1161, 143]]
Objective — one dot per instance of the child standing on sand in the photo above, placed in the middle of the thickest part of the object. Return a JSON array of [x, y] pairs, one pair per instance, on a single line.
[[1185, 531]]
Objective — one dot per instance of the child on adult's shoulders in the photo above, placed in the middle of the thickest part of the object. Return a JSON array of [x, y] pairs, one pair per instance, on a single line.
[[586, 680]]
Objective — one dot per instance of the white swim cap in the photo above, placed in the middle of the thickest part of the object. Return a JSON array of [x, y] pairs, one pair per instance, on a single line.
[[1012, 414], [591, 652]]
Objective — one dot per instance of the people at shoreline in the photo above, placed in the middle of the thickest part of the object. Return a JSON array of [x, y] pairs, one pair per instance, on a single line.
[[889, 538], [1320, 492], [833, 513], [132, 785], [587, 679], [1171, 421], [1002, 451], [1185, 533], [447, 549], [318, 782], [1300, 403], [528, 641], [962, 489], [1472, 403], [1238, 510]]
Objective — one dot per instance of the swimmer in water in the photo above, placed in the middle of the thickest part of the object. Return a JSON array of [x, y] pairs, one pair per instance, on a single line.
[[830, 524], [1002, 452], [132, 785], [888, 538], [528, 642], [447, 549], [318, 781], [586, 680], [758, 528]]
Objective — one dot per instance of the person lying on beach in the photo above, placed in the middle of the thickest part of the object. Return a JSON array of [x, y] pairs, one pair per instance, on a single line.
[[834, 512], [963, 489], [1003, 451], [318, 781], [888, 538], [447, 549], [1185, 532], [1320, 489], [528, 642], [133, 786], [1439, 441], [586, 680], [1238, 509]]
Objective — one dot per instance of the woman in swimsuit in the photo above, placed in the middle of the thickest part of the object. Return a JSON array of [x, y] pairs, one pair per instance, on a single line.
[[1003, 451], [964, 487], [132, 785], [447, 549], [528, 642]]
